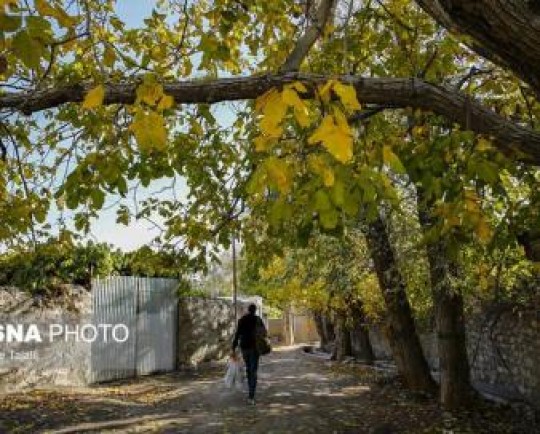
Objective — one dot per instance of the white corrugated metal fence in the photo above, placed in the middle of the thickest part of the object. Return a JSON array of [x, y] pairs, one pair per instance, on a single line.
[[148, 307]]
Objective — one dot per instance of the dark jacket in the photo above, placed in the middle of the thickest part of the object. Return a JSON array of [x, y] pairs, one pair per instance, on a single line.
[[246, 331]]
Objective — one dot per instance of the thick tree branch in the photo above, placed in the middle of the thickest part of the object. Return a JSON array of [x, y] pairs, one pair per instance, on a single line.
[[506, 32], [310, 36], [396, 92]]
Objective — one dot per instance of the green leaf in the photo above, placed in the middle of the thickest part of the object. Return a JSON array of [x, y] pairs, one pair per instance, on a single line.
[[98, 198], [329, 218], [392, 160], [322, 201], [9, 23], [39, 28], [487, 171], [338, 193], [28, 49]]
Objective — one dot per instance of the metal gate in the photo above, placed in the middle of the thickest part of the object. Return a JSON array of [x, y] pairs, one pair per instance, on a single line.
[[148, 309]]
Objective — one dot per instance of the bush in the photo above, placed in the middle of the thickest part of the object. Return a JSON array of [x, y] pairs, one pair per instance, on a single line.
[[56, 262]]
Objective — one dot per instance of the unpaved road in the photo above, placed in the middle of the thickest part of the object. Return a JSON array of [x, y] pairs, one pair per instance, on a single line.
[[297, 393]]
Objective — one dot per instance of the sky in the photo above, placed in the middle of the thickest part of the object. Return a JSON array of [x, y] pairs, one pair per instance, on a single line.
[[138, 233], [105, 228]]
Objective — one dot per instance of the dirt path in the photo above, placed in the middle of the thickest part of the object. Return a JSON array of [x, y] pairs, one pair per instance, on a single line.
[[297, 393]]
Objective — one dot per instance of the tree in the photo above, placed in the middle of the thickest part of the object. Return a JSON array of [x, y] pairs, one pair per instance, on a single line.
[[501, 37], [328, 276], [93, 108]]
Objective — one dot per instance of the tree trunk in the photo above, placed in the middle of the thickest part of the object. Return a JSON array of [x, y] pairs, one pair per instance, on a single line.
[[325, 333], [455, 389], [329, 328], [360, 333], [288, 329], [401, 330], [505, 32], [342, 346]]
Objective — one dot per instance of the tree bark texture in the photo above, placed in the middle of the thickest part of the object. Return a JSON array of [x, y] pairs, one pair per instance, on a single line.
[[342, 346], [360, 335], [504, 31], [325, 331], [455, 387], [288, 326], [401, 330]]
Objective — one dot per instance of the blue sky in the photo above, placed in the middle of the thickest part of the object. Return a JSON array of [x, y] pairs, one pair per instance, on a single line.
[[105, 228]]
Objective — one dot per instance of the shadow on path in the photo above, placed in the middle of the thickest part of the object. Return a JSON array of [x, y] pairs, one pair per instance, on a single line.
[[297, 393]]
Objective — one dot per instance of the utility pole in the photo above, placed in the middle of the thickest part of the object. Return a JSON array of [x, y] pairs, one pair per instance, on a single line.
[[235, 283]]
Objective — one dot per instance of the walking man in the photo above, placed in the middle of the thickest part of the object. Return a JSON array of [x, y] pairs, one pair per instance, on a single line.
[[249, 327]]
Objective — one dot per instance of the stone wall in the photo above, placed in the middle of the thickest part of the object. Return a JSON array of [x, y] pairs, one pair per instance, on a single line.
[[503, 346], [504, 352], [62, 362], [205, 329]]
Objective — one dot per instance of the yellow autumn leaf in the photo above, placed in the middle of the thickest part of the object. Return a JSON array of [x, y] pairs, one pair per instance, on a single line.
[[273, 110], [320, 133], [328, 177], [291, 99], [263, 143], [149, 130], [299, 87], [94, 97], [195, 127], [483, 231], [392, 160], [336, 139], [347, 95], [44, 8], [166, 102], [261, 101], [270, 128], [340, 145], [471, 202], [318, 165], [149, 93], [483, 145], [418, 131], [324, 90], [279, 174], [341, 120], [109, 56]]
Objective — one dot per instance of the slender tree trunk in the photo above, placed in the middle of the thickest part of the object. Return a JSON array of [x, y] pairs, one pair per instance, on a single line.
[[326, 338], [342, 346], [288, 329], [329, 328], [455, 389], [361, 334], [401, 330]]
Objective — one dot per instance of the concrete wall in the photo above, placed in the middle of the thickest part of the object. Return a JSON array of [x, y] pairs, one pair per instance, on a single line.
[[304, 329], [205, 329], [61, 362], [205, 332], [275, 329]]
